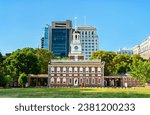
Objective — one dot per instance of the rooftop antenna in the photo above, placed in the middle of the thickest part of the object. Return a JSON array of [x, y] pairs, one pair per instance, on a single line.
[[84, 20], [75, 19]]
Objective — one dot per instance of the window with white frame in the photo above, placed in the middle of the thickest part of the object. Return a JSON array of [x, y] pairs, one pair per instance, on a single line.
[[93, 80], [92, 33], [70, 69], [87, 70], [64, 80], [89, 34], [81, 80], [64, 69], [58, 69], [87, 80], [52, 80], [81, 69], [99, 70], [99, 81], [93, 69], [58, 80], [85, 33], [52, 69], [82, 34], [75, 69], [70, 80]]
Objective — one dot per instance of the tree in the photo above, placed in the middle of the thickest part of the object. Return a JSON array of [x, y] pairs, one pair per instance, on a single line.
[[136, 57], [107, 57], [44, 56], [6, 80], [1, 79], [22, 61], [121, 63], [140, 70], [23, 79]]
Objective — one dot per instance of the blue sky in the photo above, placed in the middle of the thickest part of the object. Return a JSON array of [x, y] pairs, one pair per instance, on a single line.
[[119, 23]]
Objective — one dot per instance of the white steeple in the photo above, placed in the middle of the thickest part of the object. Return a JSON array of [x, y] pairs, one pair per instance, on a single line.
[[76, 52]]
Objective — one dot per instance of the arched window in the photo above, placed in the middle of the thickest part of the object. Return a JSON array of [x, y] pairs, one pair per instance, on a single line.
[[75, 69], [58, 80], [99, 81], [58, 69], [93, 80], [52, 69], [87, 80], [99, 70], [64, 69], [81, 80], [52, 80], [64, 80], [70, 80], [93, 69], [87, 70], [76, 37], [70, 69], [81, 69]]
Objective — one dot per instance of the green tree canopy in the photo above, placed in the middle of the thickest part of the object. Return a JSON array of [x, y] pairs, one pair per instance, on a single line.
[[140, 70], [121, 63], [107, 57], [23, 79], [44, 56], [22, 61]]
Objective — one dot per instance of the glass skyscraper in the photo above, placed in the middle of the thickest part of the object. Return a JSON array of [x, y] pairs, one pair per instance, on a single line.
[[59, 38], [60, 42], [45, 38]]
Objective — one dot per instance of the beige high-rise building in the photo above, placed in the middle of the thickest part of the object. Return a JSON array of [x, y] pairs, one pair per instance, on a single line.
[[89, 40], [143, 49]]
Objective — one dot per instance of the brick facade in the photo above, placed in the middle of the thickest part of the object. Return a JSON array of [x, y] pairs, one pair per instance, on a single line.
[[70, 73]]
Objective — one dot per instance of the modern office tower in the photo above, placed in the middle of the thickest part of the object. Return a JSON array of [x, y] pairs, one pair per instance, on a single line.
[[89, 40], [125, 51], [143, 49], [42, 42], [60, 35], [45, 38]]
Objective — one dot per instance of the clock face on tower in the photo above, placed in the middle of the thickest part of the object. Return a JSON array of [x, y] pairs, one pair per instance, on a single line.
[[76, 47]]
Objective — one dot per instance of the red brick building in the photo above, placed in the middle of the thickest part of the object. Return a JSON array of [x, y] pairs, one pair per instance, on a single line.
[[70, 73], [77, 72]]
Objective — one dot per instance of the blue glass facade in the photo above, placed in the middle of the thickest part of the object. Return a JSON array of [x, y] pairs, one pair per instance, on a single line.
[[46, 37], [61, 42]]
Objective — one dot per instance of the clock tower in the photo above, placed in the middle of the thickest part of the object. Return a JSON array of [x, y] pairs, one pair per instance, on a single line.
[[76, 51]]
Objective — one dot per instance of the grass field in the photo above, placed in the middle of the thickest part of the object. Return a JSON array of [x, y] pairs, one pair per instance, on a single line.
[[75, 93]]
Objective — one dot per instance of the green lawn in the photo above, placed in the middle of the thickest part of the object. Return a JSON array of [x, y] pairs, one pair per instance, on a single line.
[[75, 93]]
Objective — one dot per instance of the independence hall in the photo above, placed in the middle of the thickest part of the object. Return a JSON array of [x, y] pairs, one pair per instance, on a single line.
[[68, 73], [77, 72]]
